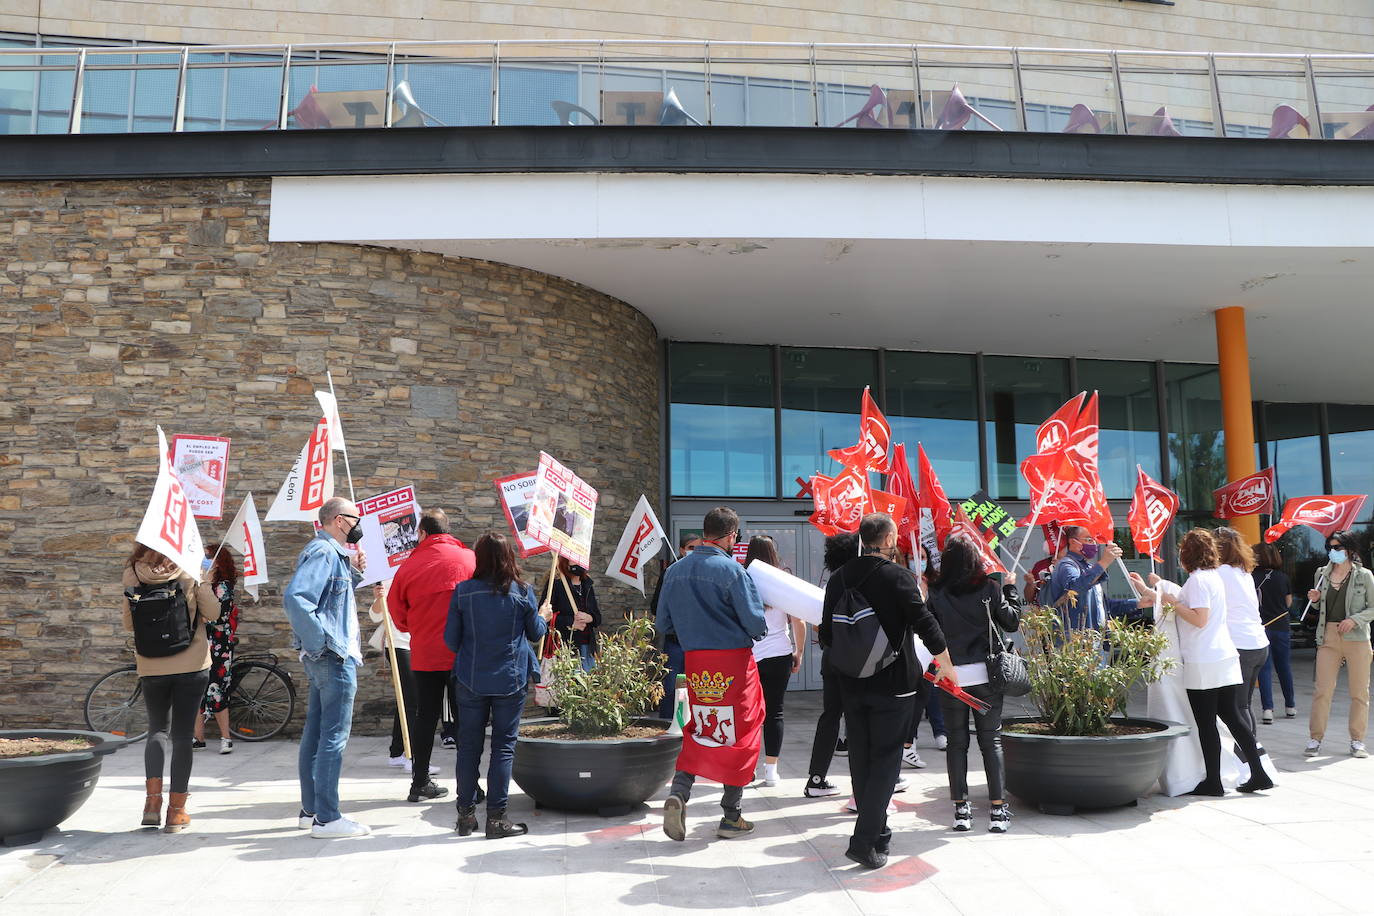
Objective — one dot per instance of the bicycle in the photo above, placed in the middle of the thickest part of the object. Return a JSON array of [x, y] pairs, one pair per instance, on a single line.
[[262, 699]]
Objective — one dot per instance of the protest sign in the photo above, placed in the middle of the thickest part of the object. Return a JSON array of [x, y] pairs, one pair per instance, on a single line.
[[516, 491], [993, 522], [390, 523], [245, 537], [200, 463], [561, 511], [168, 525], [641, 541]]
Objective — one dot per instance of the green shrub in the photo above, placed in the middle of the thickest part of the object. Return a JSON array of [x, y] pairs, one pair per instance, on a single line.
[[626, 683]]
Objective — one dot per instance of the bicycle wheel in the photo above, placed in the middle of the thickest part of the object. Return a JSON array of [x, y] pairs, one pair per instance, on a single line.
[[114, 704], [261, 701]]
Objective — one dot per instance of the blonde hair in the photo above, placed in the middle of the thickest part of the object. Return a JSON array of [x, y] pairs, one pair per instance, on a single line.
[[1232, 549]]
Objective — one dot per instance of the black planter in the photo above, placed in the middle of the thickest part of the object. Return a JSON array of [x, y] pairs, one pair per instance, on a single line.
[[607, 777], [1062, 774], [38, 793]]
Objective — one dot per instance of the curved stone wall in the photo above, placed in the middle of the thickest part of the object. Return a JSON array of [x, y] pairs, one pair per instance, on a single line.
[[130, 304]]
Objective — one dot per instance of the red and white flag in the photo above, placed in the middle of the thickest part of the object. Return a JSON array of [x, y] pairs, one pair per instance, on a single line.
[[889, 503], [1248, 496], [963, 526], [245, 539], [820, 499], [935, 509], [168, 525], [1063, 478], [330, 407], [641, 541], [900, 484], [875, 436], [310, 481], [1153, 507], [1326, 514], [847, 499]]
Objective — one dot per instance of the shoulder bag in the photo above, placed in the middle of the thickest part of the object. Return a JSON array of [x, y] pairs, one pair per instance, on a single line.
[[1007, 672]]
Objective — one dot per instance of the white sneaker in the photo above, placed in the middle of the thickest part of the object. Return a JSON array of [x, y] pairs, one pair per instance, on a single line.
[[913, 759], [305, 821], [941, 742], [853, 808], [770, 776], [401, 761], [901, 785], [334, 830], [226, 746], [1313, 746], [1357, 749]]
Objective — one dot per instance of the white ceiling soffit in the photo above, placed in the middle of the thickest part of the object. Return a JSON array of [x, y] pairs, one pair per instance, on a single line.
[[1050, 268]]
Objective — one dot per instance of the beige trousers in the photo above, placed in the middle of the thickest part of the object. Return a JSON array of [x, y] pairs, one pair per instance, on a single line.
[[1357, 655]]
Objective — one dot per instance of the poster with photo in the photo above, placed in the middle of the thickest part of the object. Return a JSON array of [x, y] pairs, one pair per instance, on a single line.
[[391, 529], [201, 464], [561, 511], [516, 491]]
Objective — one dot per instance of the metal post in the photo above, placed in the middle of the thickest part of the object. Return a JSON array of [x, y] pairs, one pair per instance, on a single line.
[[1218, 118], [1120, 94], [179, 113], [1314, 105], [1020, 94], [78, 84], [390, 83], [495, 83], [980, 393], [706, 64], [600, 82], [282, 111], [815, 99], [916, 71], [1324, 437]]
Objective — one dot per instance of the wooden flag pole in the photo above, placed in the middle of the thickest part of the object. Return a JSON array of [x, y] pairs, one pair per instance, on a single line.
[[396, 678], [548, 596]]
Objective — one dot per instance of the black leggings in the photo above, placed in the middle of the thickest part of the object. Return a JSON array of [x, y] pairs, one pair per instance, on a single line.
[[774, 673], [430, 689], [1220, 703], [173, 702], [827, 726], [988, 725]]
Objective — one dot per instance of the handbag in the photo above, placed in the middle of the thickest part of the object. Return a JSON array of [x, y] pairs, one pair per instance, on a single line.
[[1007, 672]]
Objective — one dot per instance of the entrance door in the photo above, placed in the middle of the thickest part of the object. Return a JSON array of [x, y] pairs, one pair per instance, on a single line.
[[801, 549]]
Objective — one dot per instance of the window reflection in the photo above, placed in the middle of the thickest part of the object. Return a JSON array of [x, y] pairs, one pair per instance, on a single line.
[[1197, 456], [722, 435], [1128, 412], [932, 398], [821, 392], [1021, 393], [1352, 455], [1292, 435]]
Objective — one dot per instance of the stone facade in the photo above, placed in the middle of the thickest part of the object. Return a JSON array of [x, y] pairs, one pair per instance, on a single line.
[[127, 305]]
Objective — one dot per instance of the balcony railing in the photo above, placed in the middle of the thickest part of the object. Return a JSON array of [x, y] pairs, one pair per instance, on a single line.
[[129, 89]]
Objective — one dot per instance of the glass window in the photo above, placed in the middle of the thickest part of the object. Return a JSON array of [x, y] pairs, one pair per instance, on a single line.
[[1197, 453], [1021, 393], [1128, 413], [821, 393], [722, 436], [1352, 452], [932, 398], [1292, 434]]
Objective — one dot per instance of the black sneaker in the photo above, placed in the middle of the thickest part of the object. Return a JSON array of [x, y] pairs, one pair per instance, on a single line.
[[868, 858], [842, 747], [963, 816], [820, 787], [428, 792], [448, 741], [197, 744], [999, 819]]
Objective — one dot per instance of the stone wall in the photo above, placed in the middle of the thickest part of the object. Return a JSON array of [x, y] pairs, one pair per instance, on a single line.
[[126, 305]]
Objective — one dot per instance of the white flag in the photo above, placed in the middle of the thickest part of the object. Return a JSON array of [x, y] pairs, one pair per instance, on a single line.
[[641, 542], [168, 526], [330, 406], [245, 538], [310, 481]]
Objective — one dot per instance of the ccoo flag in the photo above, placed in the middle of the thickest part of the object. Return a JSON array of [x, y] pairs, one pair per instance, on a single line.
[[245, 538], [642, 540], [168, 526], [310, 481]]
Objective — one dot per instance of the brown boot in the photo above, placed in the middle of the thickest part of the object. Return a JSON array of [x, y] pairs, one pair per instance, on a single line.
[[177, 818], [152, 805]]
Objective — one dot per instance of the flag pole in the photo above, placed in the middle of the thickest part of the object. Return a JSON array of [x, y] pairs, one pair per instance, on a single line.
[[1035, 516], [396, 678], [548, 596], [343, 443], [1127, 573], [1318, 587]]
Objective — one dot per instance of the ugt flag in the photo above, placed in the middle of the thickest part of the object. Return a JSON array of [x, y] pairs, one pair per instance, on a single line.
[[168, 525], [1326, 514], [1247, 496], [245, 538], [310, 481], [1152, 509], [875, 435], [641, 541]]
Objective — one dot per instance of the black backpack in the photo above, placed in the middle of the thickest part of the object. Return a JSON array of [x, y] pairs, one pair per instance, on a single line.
[[859, 646], [162, 619]]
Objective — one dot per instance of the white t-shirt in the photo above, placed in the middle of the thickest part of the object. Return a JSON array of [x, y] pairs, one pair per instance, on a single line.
[[1209, 657], [1242, 609], [777, 641]]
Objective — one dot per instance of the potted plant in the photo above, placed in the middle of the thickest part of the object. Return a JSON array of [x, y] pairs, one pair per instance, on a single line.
[[1078, 753], [45, 776], [602, 753]]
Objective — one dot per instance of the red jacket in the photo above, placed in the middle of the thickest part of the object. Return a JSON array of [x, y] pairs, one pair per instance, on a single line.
[[420, 594]]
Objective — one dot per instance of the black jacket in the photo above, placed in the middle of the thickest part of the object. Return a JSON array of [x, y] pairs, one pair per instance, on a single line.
[[964, 619], [563, 612], [892, 592]]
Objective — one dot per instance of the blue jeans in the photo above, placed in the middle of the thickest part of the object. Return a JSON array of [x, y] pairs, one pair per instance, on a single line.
[[588, 660], [328, 719], [475, 711], [1280, 660], [677, 664]]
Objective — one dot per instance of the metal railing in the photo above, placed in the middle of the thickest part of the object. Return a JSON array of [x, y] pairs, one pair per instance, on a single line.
[[138, 88]]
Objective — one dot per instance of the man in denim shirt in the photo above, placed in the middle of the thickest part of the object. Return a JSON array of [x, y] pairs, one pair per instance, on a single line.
[[713, 607], [1075, 588], [324, 624]]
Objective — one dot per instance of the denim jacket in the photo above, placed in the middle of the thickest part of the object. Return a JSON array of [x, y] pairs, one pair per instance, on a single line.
[[319, 601], [1089, 607], [710, 602], [491, 633]]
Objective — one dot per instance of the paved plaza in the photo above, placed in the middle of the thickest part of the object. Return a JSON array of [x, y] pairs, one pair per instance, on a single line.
[[1306, 847]]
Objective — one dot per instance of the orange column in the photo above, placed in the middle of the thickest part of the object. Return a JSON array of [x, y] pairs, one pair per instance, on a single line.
[[1237, 411]]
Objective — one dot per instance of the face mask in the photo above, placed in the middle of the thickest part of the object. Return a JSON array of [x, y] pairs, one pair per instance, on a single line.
[[1337, 556], [1089, 551], [578, 571], [205, 565], [355, 534]]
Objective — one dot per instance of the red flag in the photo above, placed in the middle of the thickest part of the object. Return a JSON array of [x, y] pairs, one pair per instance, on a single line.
[[900, 484], [891, 503], [1152, 509], [931, 498], [1064, 482], [1327, 514], [1246, 496], [963, 526], [820, 497], [1054, 434], [875, 435], [847, 499]]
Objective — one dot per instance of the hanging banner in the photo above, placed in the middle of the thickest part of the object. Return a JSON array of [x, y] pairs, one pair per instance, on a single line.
[[1326, 514], [1250, 495], [875, 436], [391, 529], [309, 482], [561, 511], [245, 538], [993, 522], [516, 490], [168, 525], [201, 463], [641, 541], [1153, 507]]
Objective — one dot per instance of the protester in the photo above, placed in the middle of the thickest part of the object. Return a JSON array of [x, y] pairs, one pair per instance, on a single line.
[[969, 605], [320, 606], [877, 708], [778, 656], [1039, 576], [839, 550], [927, 696], [491, 619], [1082, 572], [397, 752], [1276, 600], [1211, 664], [671, 647], [713, 607], [173, 685], [1242, 615], [221, 634], [576, 621], [1345, 607]]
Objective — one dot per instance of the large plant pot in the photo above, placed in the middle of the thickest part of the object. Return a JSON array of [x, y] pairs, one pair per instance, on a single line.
[[608, 777], [1062, 774], [38, 793]]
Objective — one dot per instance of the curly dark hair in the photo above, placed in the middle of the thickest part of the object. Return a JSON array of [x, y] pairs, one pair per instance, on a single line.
[[840, 549], [1197, 550]]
